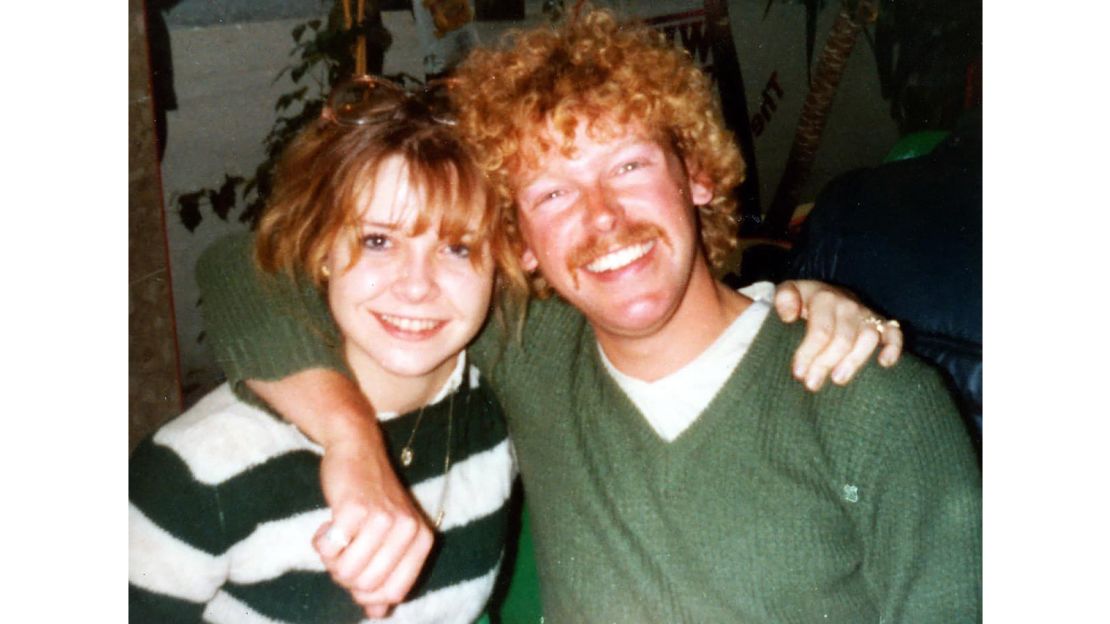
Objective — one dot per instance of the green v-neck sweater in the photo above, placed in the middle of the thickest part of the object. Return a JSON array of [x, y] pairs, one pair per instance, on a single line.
[[854, 504]]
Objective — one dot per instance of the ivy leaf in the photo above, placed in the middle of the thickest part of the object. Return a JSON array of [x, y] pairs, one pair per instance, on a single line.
[[253, 212], [223, 200], [188, 209], [298, 31], [287, 99]]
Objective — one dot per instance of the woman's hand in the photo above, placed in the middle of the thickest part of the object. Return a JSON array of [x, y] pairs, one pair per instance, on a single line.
[[841, 333]]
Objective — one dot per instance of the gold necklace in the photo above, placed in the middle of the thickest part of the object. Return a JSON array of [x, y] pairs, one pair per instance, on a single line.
[[407, 454], [446, 465]]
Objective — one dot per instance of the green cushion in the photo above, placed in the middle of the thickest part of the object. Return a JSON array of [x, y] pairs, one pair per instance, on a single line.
[[522, 601], [915, 144]]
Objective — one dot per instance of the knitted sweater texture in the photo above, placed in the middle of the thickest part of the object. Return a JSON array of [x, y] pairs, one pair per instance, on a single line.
[[854, 504], [225, 499]]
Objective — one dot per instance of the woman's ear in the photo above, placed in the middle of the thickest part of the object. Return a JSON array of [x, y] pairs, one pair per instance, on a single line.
[[528, 260]]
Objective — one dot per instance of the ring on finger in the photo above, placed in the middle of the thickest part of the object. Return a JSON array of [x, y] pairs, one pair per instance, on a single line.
[[876, 322], [337, 538]]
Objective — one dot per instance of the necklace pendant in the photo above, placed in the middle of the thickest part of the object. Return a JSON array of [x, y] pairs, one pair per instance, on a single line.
[[406, 457]]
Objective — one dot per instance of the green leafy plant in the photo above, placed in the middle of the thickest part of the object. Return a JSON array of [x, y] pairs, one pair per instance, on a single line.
[[323, 55]]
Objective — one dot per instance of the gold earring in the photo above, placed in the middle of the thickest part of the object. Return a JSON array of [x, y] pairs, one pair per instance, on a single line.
[[325, 271]]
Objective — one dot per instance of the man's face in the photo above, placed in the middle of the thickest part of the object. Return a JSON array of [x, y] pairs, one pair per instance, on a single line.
[[613, 228]]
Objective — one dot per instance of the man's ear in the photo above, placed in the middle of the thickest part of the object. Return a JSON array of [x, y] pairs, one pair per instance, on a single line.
[[528, 260], [700, 186]]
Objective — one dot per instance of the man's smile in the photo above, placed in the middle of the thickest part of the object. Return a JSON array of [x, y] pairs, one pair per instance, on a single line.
[[620, 258]]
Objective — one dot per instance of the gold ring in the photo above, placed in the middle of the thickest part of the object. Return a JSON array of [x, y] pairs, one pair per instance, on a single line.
[[876, 322]]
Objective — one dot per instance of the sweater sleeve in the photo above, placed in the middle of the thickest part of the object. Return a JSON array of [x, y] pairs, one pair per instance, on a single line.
[[176, 560], [261, 326], [497, 349], [922, 532]]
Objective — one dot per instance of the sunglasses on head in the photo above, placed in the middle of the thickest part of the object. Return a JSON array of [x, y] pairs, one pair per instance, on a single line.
[[369, 99]]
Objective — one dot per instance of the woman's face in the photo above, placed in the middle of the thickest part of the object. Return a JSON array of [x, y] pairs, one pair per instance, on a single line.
[[411, 302]]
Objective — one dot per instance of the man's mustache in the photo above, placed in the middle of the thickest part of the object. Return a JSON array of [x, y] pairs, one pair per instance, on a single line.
[[597, 245]]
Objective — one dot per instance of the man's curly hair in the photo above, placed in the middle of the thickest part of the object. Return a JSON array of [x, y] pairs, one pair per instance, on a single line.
[[611, 74]]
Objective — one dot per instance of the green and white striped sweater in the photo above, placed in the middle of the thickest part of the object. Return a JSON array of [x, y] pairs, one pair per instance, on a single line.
[[225, 500]]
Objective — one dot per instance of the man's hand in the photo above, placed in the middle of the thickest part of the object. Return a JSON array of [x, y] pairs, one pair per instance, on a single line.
[[840, 335], [378, 539]]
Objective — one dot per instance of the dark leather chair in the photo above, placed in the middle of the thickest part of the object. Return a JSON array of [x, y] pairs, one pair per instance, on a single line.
[[907, 237]]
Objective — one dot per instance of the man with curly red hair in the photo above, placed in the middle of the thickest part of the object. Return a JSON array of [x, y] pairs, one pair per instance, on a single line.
[[689, 482]]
